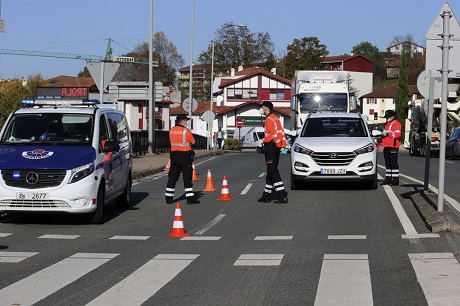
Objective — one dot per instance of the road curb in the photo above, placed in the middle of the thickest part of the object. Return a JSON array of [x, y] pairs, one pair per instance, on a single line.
[[435, 221]]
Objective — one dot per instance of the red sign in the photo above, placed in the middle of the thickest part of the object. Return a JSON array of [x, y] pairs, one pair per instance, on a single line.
[[239, 122]]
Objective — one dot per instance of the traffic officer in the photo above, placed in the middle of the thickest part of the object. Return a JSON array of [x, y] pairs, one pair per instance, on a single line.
[[274, 140], [181, 155], [390, 142]]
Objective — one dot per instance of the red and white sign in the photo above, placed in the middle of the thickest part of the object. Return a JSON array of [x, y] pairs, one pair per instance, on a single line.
[[239, 122]]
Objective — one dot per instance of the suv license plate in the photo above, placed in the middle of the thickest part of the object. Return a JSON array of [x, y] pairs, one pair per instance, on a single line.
[[32, 195], [334, 171]]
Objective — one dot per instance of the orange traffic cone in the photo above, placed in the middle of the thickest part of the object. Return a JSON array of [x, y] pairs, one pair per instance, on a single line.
[[225, 195], [178, 230], [209, 182], [168, 164], [194, 176]]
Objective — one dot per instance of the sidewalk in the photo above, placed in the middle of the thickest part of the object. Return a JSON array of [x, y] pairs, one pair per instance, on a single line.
[[149, 164]]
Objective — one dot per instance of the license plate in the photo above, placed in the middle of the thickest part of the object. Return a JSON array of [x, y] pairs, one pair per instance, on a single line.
[[334, 171], [32, 195]]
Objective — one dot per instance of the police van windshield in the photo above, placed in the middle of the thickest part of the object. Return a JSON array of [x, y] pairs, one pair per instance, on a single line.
[[318, 101], [49, 128]]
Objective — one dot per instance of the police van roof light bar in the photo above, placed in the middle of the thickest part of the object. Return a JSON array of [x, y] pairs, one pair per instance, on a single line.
[[59, 102]]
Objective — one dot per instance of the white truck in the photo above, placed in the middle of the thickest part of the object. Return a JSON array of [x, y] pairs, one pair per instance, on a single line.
[[317, 91], [251, 137]]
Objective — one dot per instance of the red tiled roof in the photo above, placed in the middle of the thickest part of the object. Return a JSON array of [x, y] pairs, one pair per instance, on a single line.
[[341, 58], [250, 72], [390, 91], [69, 81]]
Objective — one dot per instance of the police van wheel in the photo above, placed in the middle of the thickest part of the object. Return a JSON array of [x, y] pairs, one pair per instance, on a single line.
[[96, 216], [125, 198]]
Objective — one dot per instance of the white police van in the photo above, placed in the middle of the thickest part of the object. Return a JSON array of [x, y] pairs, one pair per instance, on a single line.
[[58, 157]]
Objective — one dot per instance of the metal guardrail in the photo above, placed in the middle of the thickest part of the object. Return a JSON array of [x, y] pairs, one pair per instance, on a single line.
[[162, 144]]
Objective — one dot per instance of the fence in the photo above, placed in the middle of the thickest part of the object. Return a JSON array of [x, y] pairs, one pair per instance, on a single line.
[[141, 142]]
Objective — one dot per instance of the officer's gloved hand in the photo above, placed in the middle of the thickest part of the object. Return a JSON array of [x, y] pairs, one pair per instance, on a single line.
[[385, 133], [284, 150]]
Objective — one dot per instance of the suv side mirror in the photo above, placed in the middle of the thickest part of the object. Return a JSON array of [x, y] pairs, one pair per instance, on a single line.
[[111, 146], [376, 116]]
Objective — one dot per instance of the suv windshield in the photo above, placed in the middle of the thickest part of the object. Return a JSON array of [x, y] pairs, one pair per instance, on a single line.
[[334, 127], [73, 129]]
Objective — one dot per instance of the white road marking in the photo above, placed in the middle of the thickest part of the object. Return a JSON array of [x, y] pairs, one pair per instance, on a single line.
[[420, 236], [451, 201], [59, 236], [262, 175], [259, 260], [246, 189], [145, 281], [344, 280], [338, 237], [203, 238], [210, 224], [39, 285], [15, 256], [409, 228], [4, 234], [273, 238], [130, 237], [439, 277]]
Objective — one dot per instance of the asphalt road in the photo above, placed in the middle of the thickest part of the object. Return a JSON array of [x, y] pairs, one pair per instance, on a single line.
[[332, 244]]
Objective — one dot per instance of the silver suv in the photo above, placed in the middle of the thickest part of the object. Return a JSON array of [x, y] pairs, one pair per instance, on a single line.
[[334, 147]]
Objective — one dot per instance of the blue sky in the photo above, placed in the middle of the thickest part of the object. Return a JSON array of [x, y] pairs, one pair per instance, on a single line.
[[83, 26]]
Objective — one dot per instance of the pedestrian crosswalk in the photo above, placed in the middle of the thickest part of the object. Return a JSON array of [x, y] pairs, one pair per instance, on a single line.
[[344, 279]]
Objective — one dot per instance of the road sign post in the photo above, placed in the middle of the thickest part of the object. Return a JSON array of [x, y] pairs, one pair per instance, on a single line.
[[239, 124]]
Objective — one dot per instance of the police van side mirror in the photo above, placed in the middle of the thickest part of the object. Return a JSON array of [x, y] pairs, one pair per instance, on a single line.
[[376, 116], [111, 146]]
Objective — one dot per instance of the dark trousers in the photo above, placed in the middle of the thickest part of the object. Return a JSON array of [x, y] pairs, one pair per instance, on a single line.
[[391, 164], [273, 181], [180, 162]]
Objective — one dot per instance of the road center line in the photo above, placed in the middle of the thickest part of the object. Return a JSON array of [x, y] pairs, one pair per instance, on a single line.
[[210, 224], [246, 189]]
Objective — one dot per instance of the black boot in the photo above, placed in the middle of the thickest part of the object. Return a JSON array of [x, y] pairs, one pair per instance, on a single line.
[[263, 200], [192, 201], [387, 181], [394, 182], [169, 200]]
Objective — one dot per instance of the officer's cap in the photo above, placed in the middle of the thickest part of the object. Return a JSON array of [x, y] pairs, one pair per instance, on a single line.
[[390, 113], [182, 117], [267, 104]]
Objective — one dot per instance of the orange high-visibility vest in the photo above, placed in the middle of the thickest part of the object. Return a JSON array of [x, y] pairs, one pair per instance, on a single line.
[[274, 131], [392, 140], [181, 139]]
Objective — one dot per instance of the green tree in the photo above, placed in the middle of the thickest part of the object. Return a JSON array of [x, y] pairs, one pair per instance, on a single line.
[[373, 53], [304, 54], [15, 90], [235, 46], [163, 51], [402, 92]]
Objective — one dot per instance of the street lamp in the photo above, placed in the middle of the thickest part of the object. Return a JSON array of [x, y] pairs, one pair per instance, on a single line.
[[212, 72], [151, 127], [190, 95]]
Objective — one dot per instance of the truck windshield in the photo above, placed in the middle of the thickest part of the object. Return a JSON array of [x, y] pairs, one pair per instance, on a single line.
[[49, 128], [316, 101]]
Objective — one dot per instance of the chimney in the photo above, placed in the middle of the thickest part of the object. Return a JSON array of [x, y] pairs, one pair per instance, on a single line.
[[232, 72], [240, 68], [273, 70]]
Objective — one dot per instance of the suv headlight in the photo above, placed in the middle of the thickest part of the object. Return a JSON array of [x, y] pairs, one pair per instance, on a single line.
[[366, 149], [81, 172], [302, 150]]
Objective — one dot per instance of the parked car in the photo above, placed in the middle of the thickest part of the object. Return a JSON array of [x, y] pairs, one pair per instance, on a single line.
[[335, 147], [453, 144], [65, 159]]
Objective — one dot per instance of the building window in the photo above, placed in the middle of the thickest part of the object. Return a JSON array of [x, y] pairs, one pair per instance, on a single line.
[[230, 93], [276, 94], [238, 94]]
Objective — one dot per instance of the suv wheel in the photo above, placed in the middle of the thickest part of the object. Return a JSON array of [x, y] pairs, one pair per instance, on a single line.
[[96, 216]]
